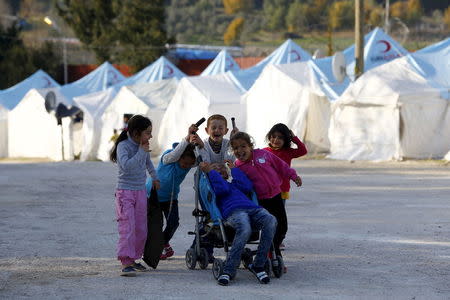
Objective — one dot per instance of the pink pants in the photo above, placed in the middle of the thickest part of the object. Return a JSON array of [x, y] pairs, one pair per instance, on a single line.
[[131, 210]]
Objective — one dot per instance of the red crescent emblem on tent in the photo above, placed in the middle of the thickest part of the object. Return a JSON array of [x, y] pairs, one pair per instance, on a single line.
[[113, 75], [169, 72], [387, 44], [47, 82], [230, 63], [297, 55]]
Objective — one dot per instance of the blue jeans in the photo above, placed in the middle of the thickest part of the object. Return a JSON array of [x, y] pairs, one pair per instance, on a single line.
[[243, 220]]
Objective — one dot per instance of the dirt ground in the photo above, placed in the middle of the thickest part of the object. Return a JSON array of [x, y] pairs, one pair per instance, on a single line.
[[356, 231]]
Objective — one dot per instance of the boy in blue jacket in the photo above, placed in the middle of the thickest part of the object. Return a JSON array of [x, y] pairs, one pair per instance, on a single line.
[[242, 214]]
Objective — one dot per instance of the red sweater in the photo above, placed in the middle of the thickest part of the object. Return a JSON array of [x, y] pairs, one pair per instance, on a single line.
[[287, 155]]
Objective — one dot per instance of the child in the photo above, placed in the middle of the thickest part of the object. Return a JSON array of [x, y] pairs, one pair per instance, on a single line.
[[131, 153], [267, 173], [243, 215], [172, 169], [214, 149], [280, 139]]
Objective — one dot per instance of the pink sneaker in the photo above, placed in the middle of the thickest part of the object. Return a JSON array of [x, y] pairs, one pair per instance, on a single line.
[[168, 251]]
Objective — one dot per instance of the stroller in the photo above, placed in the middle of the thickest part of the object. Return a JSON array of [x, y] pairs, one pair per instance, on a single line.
[[211, 231]]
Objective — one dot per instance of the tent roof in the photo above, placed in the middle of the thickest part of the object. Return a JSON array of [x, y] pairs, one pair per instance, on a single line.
[[221, 64], [288, 52], [98, 80], [10, 97], [155, 94]]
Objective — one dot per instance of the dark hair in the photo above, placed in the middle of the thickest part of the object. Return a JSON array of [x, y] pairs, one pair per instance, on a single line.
[[216, 117], [241, 136], [136, 125], [285, 132], [189, 152]]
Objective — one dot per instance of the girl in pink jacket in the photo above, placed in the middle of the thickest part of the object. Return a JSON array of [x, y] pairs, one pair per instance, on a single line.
[[267, 172]]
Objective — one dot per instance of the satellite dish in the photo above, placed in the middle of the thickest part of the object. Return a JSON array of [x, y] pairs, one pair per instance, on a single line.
[[338, 66], [62, 111], [50, 101], [318, 54]]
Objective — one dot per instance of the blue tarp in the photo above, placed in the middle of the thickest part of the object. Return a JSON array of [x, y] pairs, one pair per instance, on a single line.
[[10, 97], [184, 53]]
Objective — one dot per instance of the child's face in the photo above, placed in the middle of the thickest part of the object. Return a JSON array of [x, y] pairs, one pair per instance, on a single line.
[[220, 168], [146, 135], [216, 130], [276, 140], [186, 162], [241, 149]]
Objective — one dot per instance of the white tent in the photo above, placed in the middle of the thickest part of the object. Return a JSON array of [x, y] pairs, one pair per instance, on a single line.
[[391, 112], [222, 63], [33, 132], [197, 97], [95, 104], [11, 97], [447, 156], [147, 99], [300, 94]]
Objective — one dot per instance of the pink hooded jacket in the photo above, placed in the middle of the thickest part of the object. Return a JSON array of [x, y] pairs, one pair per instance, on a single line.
[[266, 171]]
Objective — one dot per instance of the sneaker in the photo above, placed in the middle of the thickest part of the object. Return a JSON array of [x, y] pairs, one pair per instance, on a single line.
[[163, 256], [223, 279], [128, 271], [168, 251], [139, 267], [260, 274]]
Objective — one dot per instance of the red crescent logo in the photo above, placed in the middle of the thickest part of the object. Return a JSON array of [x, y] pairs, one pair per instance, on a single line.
[[387, 44], [169, 72], [297, 55], [113, 75], [47, 82], [230, 63]]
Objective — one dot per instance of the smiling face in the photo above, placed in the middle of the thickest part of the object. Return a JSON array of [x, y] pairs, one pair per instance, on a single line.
[[216, 130], [276, 140], [242, 149], [144, 137]]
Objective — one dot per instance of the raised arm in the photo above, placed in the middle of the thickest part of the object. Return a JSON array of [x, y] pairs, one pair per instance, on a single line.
[[133, 162], [175, 154], [301, 148]]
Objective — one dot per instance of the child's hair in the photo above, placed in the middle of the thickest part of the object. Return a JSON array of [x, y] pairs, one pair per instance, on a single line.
[[189, 152], [136, 125], [216, 117], [285, 132], [242, 136]]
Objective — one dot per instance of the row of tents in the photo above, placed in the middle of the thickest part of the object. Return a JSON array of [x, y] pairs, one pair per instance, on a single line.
[[398, 108]]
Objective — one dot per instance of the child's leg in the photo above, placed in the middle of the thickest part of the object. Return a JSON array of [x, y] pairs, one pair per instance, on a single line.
[[172, 221], [141, 222], [262, 220], [125, 206], [240, 221], [276, 208]]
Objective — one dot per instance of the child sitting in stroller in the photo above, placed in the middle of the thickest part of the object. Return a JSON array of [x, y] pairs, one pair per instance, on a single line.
[[242, 214]]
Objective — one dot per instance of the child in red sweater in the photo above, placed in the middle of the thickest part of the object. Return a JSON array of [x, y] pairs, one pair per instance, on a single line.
[[280, 138]]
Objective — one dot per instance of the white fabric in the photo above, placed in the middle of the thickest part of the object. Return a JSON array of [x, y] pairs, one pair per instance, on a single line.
[[33, 132], [388, 113], [95, 104], [447, 156], [221, 64], [147, 99], [197, 97]]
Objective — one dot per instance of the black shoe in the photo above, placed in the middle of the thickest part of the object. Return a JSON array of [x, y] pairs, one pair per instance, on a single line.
[[128, 271], [139, 267], [260, 274], [223, 279]]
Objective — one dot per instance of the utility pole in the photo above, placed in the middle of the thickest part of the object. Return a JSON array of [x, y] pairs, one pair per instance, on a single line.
[[359, 38], [386, 17]]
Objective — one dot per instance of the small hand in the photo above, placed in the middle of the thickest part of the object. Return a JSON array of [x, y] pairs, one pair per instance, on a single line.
[[230, 163], [298, 181], [204, 166], [234, 131], [156, 184], [191, 130], [292, 133], [196, 140]]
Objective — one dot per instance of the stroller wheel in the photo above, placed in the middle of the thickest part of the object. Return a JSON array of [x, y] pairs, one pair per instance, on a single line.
[[277, 266], [217, 268], [246, 257], [191, 258], [203, 259]]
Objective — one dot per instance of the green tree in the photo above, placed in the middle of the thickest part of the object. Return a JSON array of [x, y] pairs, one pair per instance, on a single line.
[[414, 12], [275, 12], [447, 17], [341, 14], [296, 17]]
